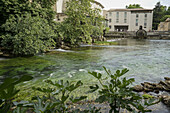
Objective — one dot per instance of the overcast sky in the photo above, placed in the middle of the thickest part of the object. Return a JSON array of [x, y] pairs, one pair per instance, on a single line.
[[149, 4]]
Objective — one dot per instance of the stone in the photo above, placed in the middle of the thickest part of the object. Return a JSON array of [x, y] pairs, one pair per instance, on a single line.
[[167, 78], [159, 87], [148, 85], [167, 82], [166, 100], [65, 47], [148, 90], [156, 91], [163, 83], [138, 88]]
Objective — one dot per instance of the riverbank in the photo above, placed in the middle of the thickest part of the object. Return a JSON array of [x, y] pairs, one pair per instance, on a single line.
[[161, 89], [157, 35]]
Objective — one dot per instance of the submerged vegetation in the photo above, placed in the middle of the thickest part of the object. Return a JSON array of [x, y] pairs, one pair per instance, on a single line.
[[58, 97]]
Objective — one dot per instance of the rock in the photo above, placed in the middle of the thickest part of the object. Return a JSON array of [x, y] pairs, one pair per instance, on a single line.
[[156, 91], [166, 100], [65, 47], [148, 85], [148, 90], [138, 88], [167, 78], [159, 87], [167, 82], [163, 83]]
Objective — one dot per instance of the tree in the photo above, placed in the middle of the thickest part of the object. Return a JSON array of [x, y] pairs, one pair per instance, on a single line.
[[80, 21], [158, 13], [27, 35], [164, 18], [15, 33], [133, 6]]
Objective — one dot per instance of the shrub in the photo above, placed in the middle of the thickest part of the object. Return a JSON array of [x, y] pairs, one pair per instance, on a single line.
[[27, 35], [118, 93]]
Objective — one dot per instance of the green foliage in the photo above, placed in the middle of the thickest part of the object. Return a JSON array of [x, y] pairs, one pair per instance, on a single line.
[[118, 93], [14, 13], [79, 24], [158, 12], [27, 35], [168, 11], [56, 98], [8, 91], [133, 6], [164, 18], [113, 89], [20, 7]]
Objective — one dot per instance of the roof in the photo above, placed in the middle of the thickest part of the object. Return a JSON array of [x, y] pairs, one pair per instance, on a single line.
[[136, 9], [98, 3]]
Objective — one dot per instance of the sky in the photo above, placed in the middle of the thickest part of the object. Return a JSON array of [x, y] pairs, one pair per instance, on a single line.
[[147, 4]]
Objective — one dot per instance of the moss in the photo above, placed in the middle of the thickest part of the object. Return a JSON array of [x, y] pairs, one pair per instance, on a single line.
[[147, 96]]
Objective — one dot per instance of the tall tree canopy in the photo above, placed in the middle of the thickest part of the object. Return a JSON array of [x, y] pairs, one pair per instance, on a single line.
[[158, 12], [25, 26], [132, 6], [81, 21]]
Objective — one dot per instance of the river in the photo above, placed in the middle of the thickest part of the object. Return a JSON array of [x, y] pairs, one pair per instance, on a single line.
[[147, 60]]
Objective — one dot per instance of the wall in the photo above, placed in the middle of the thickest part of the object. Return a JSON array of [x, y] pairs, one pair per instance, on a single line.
[[130, 19]]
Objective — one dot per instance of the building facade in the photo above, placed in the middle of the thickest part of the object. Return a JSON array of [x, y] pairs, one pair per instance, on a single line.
[[60, 7], [129, 19], [164, 26]]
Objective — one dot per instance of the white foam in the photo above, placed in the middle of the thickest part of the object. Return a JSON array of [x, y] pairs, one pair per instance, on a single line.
[[83, 70], [113, 40], [62, 50], [51, 74], [70, 74]]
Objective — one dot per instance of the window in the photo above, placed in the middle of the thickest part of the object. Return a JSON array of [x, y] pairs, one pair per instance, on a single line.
[[110, 20], [136, 22], [125, 20], [125, 17], [110, 13], [145, 15], [145, 23], [125, 14], [106, 23], [117, 17], [110, 26], [137, 15], [106, 15]]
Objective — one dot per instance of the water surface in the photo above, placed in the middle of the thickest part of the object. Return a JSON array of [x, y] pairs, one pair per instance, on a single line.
[[147, 60]]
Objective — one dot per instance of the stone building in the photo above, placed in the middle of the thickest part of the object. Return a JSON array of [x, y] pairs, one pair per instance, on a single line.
[[129, 19], [60, 7], [164, 26]]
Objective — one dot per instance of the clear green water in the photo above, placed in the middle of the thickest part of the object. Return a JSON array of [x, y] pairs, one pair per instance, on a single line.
[[147, 60]]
